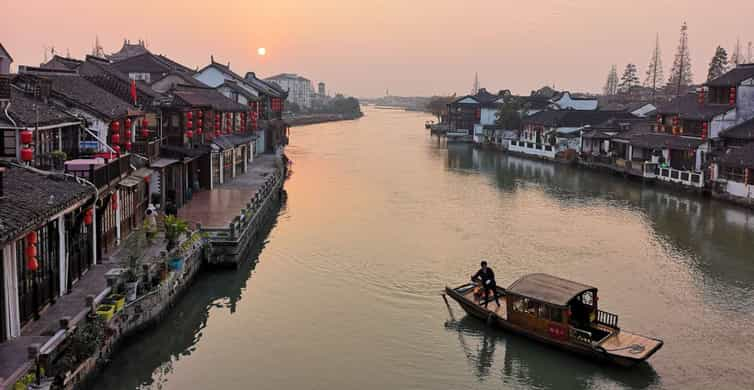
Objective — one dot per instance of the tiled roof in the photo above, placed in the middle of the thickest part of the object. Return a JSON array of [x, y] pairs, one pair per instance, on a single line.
[[660, 141], [268, 88], [31, 198], [206, 97], [100, 73], [7, 53], [687, 107], [744, 130], [28, 111], [733, 77], [58, 62], [233, 86], [181, 151], [149, 63], [742, 157], [482, 96], [88, 96], [576, 118], [176, 65]]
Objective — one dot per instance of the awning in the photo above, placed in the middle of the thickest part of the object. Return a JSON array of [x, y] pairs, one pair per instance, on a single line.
[[163, 162]]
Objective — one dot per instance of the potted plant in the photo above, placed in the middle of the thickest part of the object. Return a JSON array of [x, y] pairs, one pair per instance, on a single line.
[[174, 229], [58, 159]]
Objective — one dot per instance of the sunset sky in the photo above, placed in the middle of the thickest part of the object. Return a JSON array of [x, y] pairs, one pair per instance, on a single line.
[[416, 47]]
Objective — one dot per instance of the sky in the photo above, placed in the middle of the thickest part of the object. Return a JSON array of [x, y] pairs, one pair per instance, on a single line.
[[409, 47]]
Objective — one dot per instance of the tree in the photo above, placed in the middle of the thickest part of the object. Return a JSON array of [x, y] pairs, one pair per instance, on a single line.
[[737, 58], [654, 70], [718, 65], [680, 74], [629, 79], [611, 85], [509, 114]]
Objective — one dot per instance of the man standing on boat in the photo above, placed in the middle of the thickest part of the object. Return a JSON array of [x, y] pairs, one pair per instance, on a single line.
[[487, 277]]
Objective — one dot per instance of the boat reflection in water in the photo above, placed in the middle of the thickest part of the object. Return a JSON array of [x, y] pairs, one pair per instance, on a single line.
[[517, 361]]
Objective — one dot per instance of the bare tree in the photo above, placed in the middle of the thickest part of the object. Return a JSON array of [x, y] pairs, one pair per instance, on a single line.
[[680, 74], [654, 71]]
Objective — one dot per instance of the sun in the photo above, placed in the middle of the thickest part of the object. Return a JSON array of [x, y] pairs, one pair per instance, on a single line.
[[262, 51]]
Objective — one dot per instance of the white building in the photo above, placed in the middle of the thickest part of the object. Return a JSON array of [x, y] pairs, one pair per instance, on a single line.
[[300, 90]]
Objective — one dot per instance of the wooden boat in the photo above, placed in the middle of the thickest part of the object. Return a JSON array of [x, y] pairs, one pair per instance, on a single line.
[[561, 313]]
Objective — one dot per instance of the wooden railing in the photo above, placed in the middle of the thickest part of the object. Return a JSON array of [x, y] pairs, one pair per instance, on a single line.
[[148, 149], [103, 175], [607, 318]]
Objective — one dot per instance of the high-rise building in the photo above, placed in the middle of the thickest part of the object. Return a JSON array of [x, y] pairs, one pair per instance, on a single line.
[[300, 90], [321, 89]]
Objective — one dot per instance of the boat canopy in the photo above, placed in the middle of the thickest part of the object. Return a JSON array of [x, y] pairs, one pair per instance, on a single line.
[[547, 288]]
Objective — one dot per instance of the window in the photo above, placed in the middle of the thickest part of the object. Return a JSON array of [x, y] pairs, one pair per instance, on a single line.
[[556, 314], [587, 298], [517, 304], [734, 174]]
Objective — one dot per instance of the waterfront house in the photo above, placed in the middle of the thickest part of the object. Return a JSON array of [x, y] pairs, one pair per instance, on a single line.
[[33, 129], [471, 113], [109, 127], [148, 67], [266, 101], [547, 133], [735, 180], [47, 241]]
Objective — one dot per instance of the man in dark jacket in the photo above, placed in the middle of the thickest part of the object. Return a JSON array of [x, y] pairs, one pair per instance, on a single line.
[[487, 277]]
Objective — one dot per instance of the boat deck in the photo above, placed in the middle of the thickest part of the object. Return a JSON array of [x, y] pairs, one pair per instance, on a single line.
[[501, 310], [630, 345]]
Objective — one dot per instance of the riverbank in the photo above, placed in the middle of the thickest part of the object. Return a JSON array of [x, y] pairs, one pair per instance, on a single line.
[[51, 345], [311, 119]]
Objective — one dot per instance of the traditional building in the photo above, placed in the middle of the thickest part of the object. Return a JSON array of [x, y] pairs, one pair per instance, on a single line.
[[47, 241], [565, 101], [471, 113]]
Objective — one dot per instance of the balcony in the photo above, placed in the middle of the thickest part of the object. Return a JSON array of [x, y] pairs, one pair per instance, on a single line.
[[100, 171], [148, 149]]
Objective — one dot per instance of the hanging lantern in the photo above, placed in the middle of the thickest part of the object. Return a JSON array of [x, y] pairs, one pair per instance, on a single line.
[[31, 238], [32, 264], [128, 123], [199, 131], [147, 179], [200, 114], [27, 136], [128, 134], [217, 133], [116, 148], [199, 122], [115, 126], [732, 96], [88, 217], [31, 250], [128, 146], [27, 154], [145, 123], [189, 133], [217, 117], [115, 138], [189, 115], [144, 133], [114, 201]]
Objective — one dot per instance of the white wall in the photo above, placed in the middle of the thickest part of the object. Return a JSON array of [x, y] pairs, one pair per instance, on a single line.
[[740, 190], [211, 76], [488, 116]]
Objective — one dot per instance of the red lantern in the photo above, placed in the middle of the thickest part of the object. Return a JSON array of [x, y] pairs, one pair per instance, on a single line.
[[27, 137], [189, 115], [199, 122], [217, 133], [200, 114], [189, 133], [31, 238], [114, 201], [32, 264], [115, 138], [115, 126], [88, 217], [128, 123], [217, 117], [128, 146], [128, 134], [27, 154], [705, 130], [145, 123], [199, 131], [732, 96], [144, 133], [31, 250], [116, 148], [147, 179]]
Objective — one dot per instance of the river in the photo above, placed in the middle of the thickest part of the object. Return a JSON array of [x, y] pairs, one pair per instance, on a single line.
[[345, 291]]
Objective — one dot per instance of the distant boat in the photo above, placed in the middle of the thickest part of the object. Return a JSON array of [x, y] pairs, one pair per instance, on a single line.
[[561, 313]]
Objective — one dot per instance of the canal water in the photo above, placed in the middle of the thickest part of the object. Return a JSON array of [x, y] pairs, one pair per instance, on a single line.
[[345, 291]]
